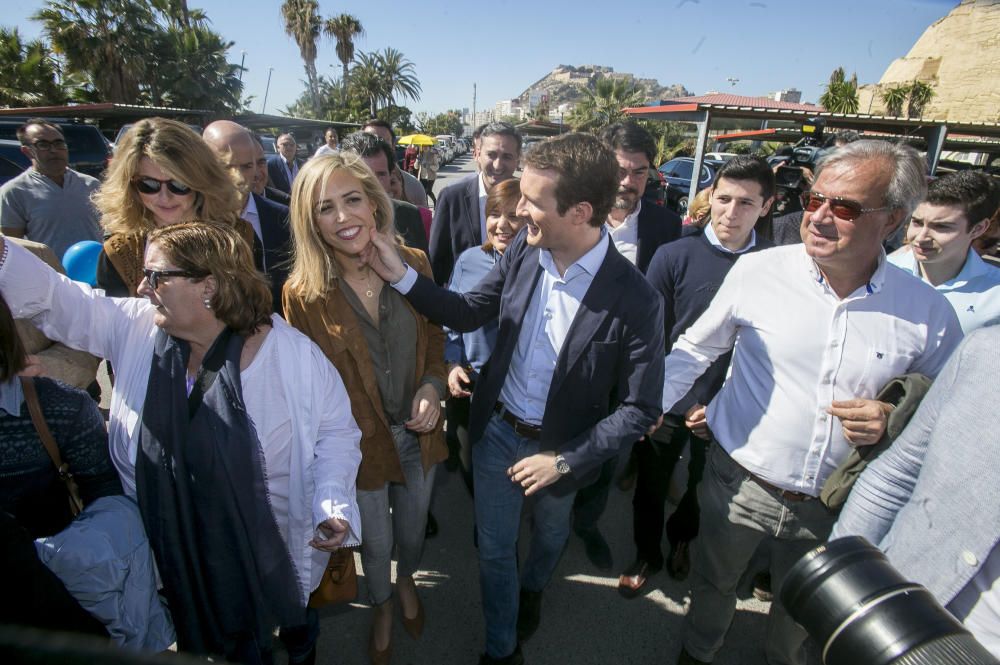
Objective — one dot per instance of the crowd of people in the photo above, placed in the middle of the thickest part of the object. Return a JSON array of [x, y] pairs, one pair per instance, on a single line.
[[298, 345]]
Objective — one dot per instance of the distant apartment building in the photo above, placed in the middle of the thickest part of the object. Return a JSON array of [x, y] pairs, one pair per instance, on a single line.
[[790, 95]]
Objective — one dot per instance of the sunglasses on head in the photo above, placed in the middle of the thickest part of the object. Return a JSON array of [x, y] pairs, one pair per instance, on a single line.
[[845, 209], [154, 276], [147, 185]]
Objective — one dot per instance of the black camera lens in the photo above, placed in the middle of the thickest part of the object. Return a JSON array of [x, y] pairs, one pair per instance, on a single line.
[[861, 610]]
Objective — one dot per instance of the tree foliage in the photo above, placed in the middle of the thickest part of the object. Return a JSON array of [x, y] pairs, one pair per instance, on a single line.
[[894, 97], [841, 95], [344, 28], [141, 52], [27, 72], [921, 94], [302, 23], [605, 104], [449, 122]]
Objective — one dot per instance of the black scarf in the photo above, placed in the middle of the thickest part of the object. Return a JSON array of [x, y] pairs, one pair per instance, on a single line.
[[203, 496]]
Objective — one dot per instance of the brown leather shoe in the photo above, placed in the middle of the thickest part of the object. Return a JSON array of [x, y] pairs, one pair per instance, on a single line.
[[374, 655], [632, 582], [687, 659]]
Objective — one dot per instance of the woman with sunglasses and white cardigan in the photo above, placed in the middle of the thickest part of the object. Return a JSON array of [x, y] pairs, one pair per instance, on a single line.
[[162, 173]]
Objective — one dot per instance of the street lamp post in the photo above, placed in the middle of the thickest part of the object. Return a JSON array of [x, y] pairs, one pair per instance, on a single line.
[[263, 106], [242, 62]]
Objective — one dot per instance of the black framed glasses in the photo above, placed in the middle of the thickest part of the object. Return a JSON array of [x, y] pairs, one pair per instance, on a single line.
[[154, 276], [146, 185], [845, 209], [45, 146]]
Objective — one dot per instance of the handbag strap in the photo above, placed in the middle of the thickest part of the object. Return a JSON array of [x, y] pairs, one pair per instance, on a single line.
[[38, 418]]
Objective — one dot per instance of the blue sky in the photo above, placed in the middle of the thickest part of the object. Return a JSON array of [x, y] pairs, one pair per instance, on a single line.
[[505, 45]]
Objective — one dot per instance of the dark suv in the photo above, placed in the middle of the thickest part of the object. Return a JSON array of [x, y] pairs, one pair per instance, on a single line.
[[678, 171], [89, 151]]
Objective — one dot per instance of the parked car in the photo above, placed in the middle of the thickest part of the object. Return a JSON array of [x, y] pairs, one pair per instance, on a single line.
[[678, 172], [720, 156], [89, 151], [8, 170], [269, 143]]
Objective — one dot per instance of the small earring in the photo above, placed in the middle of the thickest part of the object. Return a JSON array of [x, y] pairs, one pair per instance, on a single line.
[[208, 303]]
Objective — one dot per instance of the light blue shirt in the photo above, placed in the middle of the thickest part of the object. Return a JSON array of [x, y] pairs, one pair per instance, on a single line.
[[11, 397], [974, 292], [550, 315]]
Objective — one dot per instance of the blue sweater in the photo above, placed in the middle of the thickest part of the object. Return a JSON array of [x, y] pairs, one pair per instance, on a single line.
[[688, 273]]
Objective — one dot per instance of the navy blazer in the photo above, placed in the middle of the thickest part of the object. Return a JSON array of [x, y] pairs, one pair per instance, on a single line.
[[657, 226], [276, 242], [608, 380], [456, 226], [276, 174]]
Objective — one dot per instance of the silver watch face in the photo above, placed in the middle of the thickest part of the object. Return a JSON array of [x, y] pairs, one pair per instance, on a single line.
[[562, 466]]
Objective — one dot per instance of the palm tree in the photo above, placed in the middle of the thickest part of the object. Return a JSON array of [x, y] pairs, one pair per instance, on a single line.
[[302, 23], [841, 95], [399, 75], [920, 94], [366, 77], [894, 97], [27, 72], [605, 104], [344, 29], [106, 40]]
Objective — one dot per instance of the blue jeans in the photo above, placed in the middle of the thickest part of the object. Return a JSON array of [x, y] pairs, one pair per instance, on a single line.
[[498, 503]]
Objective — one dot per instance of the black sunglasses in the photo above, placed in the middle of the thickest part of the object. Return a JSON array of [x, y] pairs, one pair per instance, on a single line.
[[147, 185], [154, 276], [845, 209]]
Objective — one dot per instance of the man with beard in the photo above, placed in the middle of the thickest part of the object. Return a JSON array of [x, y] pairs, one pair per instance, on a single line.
[[637, 228], [459, 216]]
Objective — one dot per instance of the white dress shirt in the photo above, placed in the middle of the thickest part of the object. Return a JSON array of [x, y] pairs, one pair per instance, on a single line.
[[626, 235], [713, 240], [311, 463], [974, 292], [251, 215], [550, 315], [483, 193], [797, 348]]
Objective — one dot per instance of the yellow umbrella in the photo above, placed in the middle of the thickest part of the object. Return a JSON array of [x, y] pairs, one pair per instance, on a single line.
[[417, 139]]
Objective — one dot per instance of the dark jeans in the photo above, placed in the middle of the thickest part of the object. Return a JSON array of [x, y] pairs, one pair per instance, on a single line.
[[429, 188], [656, 458], [456, 411]]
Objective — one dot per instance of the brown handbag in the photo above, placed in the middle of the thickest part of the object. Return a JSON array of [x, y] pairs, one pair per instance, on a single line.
[[38, 418], [340, 580]]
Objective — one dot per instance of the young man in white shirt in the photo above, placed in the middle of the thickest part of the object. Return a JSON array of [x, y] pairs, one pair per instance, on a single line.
[[958, 209], [816, 330]]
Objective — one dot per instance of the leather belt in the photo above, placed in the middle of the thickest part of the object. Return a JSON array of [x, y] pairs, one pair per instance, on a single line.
[[521, 428], [788, 495]]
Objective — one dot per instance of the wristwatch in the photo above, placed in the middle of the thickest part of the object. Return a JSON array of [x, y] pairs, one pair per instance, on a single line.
[[562, 466]]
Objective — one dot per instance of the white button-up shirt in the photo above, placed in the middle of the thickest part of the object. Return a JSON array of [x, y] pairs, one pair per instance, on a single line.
[[974, 292], [713, 240], [797, 348], [626, 235]]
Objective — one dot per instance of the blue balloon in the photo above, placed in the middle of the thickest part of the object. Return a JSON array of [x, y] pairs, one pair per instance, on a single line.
[[80, 261]]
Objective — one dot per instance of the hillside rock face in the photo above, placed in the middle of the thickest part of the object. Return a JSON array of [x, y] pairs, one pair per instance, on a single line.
[[959, 56], [566, 83]]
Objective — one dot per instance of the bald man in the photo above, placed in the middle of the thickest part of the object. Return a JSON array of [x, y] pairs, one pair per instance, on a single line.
[[234, 146]]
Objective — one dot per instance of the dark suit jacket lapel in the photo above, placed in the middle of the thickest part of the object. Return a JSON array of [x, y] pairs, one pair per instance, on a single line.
[[472, 213], [598, 304]]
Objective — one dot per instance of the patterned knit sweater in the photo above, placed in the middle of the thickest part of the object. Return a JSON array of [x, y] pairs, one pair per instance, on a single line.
[[30, 488]]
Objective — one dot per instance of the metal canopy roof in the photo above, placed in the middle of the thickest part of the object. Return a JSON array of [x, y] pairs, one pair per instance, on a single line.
[[701, 111], [953, 142]]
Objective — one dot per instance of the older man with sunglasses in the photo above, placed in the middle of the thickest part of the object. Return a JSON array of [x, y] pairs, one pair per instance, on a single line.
[[816, 330], [49, 202]]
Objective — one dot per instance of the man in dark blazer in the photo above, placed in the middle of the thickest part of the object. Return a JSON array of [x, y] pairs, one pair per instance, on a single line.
[[234, 146], [378, 156], [637, 227], [459, 215], [572, 379], [283, 167]]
